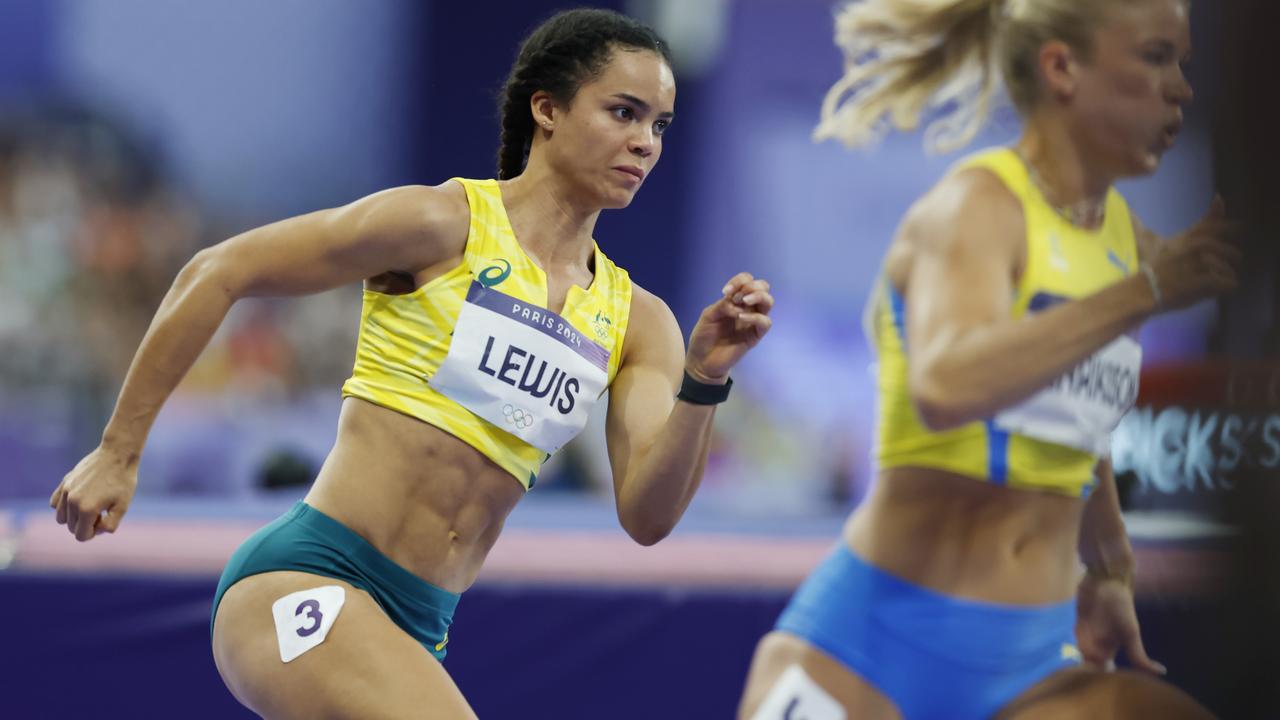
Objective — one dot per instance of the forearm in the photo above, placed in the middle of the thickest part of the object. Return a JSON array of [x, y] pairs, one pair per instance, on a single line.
[[654, 497], [970, 376], [187, 318], [1104, 544]]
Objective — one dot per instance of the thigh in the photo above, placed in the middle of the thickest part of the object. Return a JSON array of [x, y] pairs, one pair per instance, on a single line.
[[366, 667], [778, 652], [1090, 694]]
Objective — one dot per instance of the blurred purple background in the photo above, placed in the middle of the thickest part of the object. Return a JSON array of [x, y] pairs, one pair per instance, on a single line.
[[133, 133]]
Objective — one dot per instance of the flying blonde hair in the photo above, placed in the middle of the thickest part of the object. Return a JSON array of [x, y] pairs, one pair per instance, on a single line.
[[906, 58]]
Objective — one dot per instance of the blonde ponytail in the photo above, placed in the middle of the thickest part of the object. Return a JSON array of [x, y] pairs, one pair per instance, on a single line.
[[906, 57]]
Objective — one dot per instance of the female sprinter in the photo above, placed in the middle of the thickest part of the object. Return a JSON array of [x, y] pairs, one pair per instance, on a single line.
[[1003, 324], [491, 324]]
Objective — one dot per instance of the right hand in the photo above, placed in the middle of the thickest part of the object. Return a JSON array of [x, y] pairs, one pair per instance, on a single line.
[[1200, 263], [95, 495]]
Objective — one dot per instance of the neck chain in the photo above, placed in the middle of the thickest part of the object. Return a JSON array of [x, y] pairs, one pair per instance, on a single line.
[[1087, 213]]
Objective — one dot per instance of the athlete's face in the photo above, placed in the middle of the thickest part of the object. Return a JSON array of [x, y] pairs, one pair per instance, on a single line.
[[610, 137], [1130, 94]]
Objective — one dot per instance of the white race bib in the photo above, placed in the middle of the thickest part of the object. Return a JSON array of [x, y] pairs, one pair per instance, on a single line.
[[1081, 408], [523, 368]]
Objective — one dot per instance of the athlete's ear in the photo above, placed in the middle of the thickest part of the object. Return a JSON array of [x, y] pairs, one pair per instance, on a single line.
[[1059, 69], [545, 110]]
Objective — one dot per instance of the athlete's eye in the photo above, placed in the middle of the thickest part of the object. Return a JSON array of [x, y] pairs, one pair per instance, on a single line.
[[1160, 54], [622, 112]]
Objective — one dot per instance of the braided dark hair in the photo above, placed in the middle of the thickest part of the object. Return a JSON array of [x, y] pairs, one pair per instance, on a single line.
[[562, 53]]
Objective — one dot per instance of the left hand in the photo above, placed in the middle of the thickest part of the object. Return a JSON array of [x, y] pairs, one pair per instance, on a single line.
[[728, 328], [1106, 623]]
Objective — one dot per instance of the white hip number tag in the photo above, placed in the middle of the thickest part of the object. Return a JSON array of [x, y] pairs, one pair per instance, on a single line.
[[795, 696], [303, 618]]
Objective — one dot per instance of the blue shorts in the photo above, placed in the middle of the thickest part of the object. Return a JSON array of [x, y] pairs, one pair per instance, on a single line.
[[934, 656], [306, 540]]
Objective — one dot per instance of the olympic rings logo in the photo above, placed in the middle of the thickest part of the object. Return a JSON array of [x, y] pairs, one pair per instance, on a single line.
[[517, 416]]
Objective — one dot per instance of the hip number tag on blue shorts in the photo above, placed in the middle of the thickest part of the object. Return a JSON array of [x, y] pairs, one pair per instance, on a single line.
[[795, 696]]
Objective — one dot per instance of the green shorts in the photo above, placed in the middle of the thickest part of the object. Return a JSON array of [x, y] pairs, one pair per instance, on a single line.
[[306, 540]]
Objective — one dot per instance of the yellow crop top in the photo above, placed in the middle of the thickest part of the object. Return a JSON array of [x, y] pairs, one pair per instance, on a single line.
[[476, 353], [1052, 440]]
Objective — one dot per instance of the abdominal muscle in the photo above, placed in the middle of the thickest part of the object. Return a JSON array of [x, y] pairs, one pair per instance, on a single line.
[[427, 500], [969, 538]]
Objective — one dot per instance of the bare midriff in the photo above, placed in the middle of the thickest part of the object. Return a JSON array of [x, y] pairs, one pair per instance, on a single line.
[[969, 538], [427, 500]]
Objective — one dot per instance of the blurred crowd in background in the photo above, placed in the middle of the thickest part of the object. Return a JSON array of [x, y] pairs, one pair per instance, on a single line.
[[93, 230], [133, 134]]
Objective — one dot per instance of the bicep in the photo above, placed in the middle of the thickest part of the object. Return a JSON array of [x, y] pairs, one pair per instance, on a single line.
[[642, 394], [402, 229]]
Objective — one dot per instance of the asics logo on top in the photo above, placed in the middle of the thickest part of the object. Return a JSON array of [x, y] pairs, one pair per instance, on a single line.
[[495, 274]]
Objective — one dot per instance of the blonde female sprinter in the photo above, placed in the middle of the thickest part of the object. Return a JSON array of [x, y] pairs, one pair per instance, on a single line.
[[1004, 326]]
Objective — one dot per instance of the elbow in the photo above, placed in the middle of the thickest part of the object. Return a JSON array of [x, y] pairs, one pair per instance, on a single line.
[[201, 268], [647, 533], [938, 405], [208, 269], [649, 537]]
